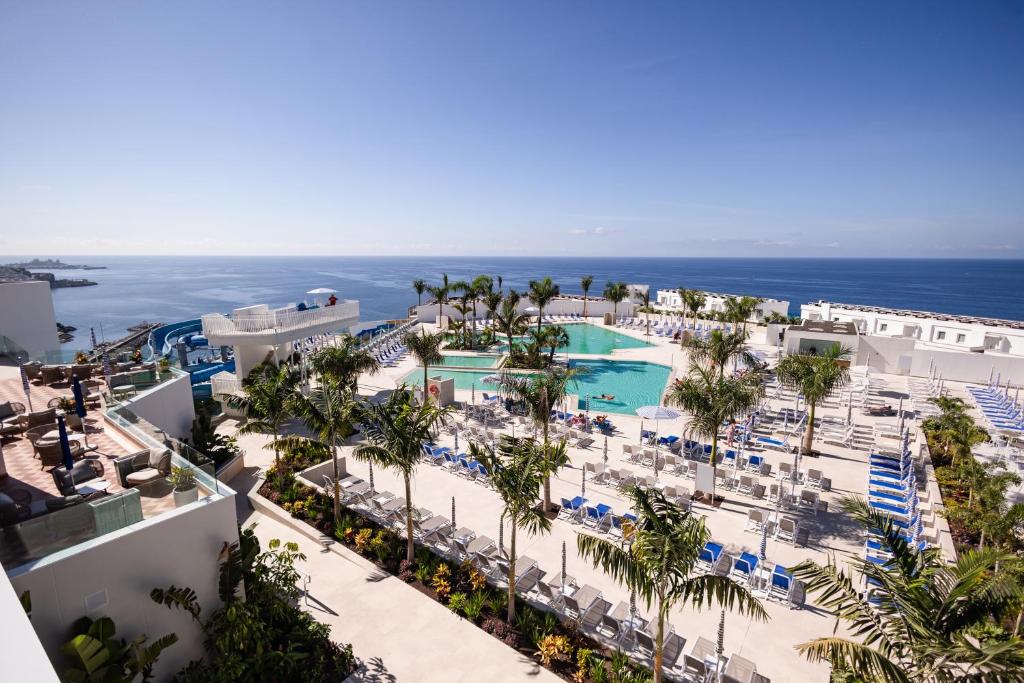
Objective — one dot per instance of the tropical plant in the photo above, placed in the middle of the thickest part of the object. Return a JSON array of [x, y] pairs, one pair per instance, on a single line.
[[616, 292], [540, 393], [816, 377], [712, 399], [509, 319], [265, 402], [344, 362], [922, 619], [659, 563], [719, 348], [396, 431], [182, 478], [419, 286], [693, 302], [204, 437], [96, 655], [516, 472], [426, 348], [554, 337], [541, 293], [586, 282], [258, 633]]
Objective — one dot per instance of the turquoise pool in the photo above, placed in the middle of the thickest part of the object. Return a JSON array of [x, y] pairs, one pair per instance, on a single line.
[[632, 383], [482, 361], [585, 338]]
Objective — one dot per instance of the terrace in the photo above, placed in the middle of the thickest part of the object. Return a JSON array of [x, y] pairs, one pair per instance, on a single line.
[[262, 325], [119, 477]]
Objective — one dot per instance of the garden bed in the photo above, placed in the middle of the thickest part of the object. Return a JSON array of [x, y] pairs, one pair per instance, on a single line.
[[535, 633]]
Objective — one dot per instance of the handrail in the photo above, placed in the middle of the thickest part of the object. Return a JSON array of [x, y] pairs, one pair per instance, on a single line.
[[278, 321]]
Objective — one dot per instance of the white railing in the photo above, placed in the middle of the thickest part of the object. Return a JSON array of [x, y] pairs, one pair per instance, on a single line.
[[225, 385], [279, 321]]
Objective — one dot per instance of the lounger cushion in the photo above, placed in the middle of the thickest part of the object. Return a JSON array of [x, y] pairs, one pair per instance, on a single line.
[[6, 410]]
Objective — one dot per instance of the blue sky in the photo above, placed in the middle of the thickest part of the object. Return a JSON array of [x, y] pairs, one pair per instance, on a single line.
[[585, 128]]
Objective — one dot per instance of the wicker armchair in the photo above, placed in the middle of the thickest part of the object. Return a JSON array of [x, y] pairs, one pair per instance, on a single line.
[[143, 467]]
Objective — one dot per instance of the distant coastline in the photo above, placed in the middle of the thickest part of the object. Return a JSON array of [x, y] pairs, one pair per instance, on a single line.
[[18, 272], [52, 264]]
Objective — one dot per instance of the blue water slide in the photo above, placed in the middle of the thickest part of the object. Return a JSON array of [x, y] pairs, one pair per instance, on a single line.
[[163, 338]]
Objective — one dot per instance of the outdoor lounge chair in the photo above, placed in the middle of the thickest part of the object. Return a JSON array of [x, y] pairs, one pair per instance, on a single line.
[[143, 467], [787, 530], [739, 670], [572, 509], [781, 587], [710, 556], [755, 520], [743, 567]]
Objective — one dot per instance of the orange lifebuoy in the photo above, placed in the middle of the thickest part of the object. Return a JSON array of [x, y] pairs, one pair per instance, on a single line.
[[434, 391]]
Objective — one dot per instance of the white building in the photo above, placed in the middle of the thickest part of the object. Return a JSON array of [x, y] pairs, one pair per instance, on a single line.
[[714, 302], [257, 332], [27, 323], [566, 304], [936, 330]]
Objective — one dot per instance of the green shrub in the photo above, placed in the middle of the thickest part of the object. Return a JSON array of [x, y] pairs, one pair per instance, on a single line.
[[457, 602], [474, 606]]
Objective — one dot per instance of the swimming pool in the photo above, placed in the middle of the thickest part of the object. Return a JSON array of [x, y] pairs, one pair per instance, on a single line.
[[585, 338], [478, 361], [632, 383]]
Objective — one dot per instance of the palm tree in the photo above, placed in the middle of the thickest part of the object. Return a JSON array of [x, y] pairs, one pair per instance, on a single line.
[[266, 402], [440, 295], [327, 413], [719, 348], [492, 300], [658, 563], [616, 292], [510, 321], [345, 362], [746, 307], [585, 283], [419, 286], [426, 348], [646, 296], [516, 472], [923, 619], [816, 377], [712, 399], [396, 430], [554, 337], [693, 300], [540, 394], [541, 293]]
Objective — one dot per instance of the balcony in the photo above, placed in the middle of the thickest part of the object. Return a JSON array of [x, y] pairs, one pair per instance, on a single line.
[[279, 326]]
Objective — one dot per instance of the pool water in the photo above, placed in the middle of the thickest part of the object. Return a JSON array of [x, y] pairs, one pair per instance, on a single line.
[[477, 361], [633, 384], [585, 338]]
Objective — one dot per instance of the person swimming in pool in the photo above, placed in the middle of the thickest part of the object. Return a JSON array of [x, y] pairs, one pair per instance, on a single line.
[[607, 397]]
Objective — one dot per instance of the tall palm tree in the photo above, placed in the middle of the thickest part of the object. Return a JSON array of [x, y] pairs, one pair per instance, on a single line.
[[516, 472], [345, 362], [646, 306], [426, 348], [923, 619], [554, 337], [585, 283], [327, 413], [492, 300], [509, 319], [712, 400], [541, 293], [693, 300], [719, 348], [540, 394], [440, 294], [419, 286], [746, 307], [816, 377], [395, 431], [266, 402], [616, 292], [659, 563]]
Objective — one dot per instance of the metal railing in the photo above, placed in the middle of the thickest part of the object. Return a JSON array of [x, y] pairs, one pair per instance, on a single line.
[[225, 385], [279, 321]]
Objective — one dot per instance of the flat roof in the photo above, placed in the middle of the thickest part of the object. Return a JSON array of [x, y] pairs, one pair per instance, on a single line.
[[949, 317], [825, 327]]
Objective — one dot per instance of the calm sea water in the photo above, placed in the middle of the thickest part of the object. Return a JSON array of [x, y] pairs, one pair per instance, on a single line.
[[166, 289]]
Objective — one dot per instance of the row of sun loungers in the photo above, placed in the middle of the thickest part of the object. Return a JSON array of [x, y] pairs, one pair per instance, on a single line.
[[1001, 412]]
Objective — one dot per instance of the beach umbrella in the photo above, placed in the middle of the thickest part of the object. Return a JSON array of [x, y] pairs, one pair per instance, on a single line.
[[583, 482], [92, 336], [26, 387], [991, 372], [764, 540], [76, 390], [106, 369], [849, 410], [606, 446], [900, 410], [456, 438], [657, 413], [65, 445], [370, 463], [472, 393], [720, 646], [453, 516], [563, 566]]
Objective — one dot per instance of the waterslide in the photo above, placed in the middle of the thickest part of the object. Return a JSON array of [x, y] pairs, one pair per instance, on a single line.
[[164, 341]]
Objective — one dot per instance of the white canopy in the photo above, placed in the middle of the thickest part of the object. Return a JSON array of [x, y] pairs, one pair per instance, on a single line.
[[657, 413], [322, 290]]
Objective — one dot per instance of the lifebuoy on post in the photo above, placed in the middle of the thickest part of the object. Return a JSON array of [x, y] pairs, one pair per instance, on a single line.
[[434, 391]]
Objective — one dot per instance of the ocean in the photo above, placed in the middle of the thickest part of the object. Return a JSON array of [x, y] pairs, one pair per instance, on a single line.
[[170, 288]]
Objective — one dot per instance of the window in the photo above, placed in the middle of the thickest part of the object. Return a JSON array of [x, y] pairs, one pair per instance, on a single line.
[[961, 338], [882, 327], [940, 335]]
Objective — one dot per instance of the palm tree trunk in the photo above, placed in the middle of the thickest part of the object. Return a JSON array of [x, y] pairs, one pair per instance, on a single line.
[[547, 477], [337, 482], [1020, 618], [425, 384], [809, 431], [584, 304], [714, 465], [277, 457], [540, 314], [410, 547], [659, 644], [511, 613]]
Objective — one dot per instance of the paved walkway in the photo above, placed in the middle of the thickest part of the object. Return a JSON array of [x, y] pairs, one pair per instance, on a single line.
[[397, 632]]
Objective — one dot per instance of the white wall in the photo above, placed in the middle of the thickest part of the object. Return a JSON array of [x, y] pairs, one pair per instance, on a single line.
[[178, 548], [21, 652], [26, 317], [968, 367], [427, 313], [168, 406]]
